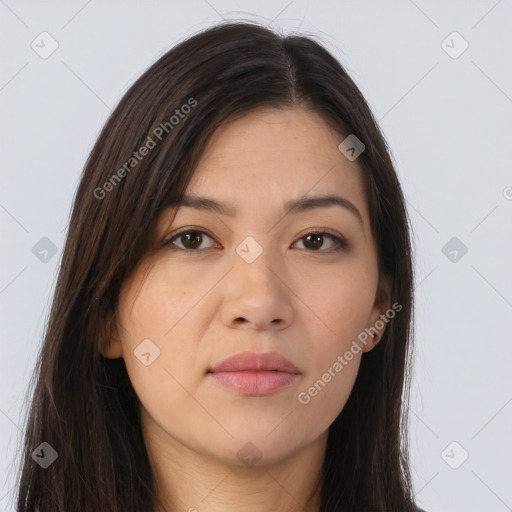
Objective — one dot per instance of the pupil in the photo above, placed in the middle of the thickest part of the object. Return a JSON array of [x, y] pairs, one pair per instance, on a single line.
[[192, 235], [318, 241]]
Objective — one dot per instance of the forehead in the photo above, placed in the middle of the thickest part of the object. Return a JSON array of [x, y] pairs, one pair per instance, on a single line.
[[276, 134], [277, 155], [259, 164]]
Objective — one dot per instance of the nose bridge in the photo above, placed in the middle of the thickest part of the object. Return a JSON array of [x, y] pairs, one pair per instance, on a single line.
[[255, 261]]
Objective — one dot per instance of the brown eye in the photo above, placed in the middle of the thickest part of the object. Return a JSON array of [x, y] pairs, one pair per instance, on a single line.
[[190, 240], [314, 242]]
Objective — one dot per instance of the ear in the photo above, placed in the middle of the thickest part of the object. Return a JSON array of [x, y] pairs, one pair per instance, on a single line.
[[112, 349], [378, 320]]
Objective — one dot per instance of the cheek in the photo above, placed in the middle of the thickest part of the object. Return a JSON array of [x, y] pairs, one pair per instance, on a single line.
[[158, 356], [157, 304], [334, 357], [166, 386], [342, 301]]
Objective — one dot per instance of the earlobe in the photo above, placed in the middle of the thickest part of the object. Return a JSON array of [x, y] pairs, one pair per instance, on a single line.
[[377, 338], [378, 319], [373, 338], [376, 330]]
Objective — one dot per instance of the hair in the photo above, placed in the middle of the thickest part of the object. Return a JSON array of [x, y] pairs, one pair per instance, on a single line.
[[82, 403]]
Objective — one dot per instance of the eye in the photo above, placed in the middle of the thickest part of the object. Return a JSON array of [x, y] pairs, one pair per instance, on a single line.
[[315, 240], [191, 240]]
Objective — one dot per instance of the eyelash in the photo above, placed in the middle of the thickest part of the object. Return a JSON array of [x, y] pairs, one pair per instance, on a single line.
[[340, 243]]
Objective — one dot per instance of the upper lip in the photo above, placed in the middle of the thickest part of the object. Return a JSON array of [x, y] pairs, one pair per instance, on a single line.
[[266, 361]]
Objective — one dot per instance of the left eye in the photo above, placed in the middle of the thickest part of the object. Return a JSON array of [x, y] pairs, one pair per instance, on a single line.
[[192, 239], [316, 239]]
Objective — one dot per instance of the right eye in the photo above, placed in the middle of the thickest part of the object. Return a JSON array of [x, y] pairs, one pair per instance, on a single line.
[[190, 239]]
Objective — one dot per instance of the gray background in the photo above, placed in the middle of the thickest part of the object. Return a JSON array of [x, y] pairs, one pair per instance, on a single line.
[[447, 121]]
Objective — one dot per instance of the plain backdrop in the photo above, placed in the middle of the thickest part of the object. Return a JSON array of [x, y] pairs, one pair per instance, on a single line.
[[444, 102]]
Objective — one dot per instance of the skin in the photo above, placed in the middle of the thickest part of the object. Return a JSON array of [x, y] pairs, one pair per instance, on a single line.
[[301, 299]]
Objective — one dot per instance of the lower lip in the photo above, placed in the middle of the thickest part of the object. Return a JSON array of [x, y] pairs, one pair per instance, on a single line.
[[256, 383]]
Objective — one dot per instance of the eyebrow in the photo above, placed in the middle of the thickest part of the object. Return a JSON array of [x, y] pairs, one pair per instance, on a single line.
[[293, 206]]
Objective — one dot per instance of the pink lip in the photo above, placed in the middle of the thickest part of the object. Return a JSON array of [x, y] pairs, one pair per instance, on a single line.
[[250, 373]]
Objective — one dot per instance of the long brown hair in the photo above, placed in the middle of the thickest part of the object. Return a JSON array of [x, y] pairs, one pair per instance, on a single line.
[[83, 404]]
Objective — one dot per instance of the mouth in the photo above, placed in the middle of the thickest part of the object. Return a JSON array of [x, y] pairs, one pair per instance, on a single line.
[[254, 374], [255, 383]]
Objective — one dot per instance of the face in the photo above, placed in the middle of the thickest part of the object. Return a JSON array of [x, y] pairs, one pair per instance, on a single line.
[[253, 277]]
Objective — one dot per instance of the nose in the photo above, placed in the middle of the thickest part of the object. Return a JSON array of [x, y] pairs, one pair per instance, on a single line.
[[256, 295]]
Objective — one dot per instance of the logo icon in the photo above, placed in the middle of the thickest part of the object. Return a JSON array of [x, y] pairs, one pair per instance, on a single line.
[[249, 250], [454, 249], [44, 250], [454, 45], [351, 147], [249, 454], [44, 45], [454, 455], [44, 455], [146, 352]]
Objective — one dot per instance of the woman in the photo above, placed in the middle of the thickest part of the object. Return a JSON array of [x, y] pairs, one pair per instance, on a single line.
[[231, 322]]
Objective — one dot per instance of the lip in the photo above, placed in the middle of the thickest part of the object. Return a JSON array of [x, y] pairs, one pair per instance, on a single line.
[[256, 374], [265, 361]]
